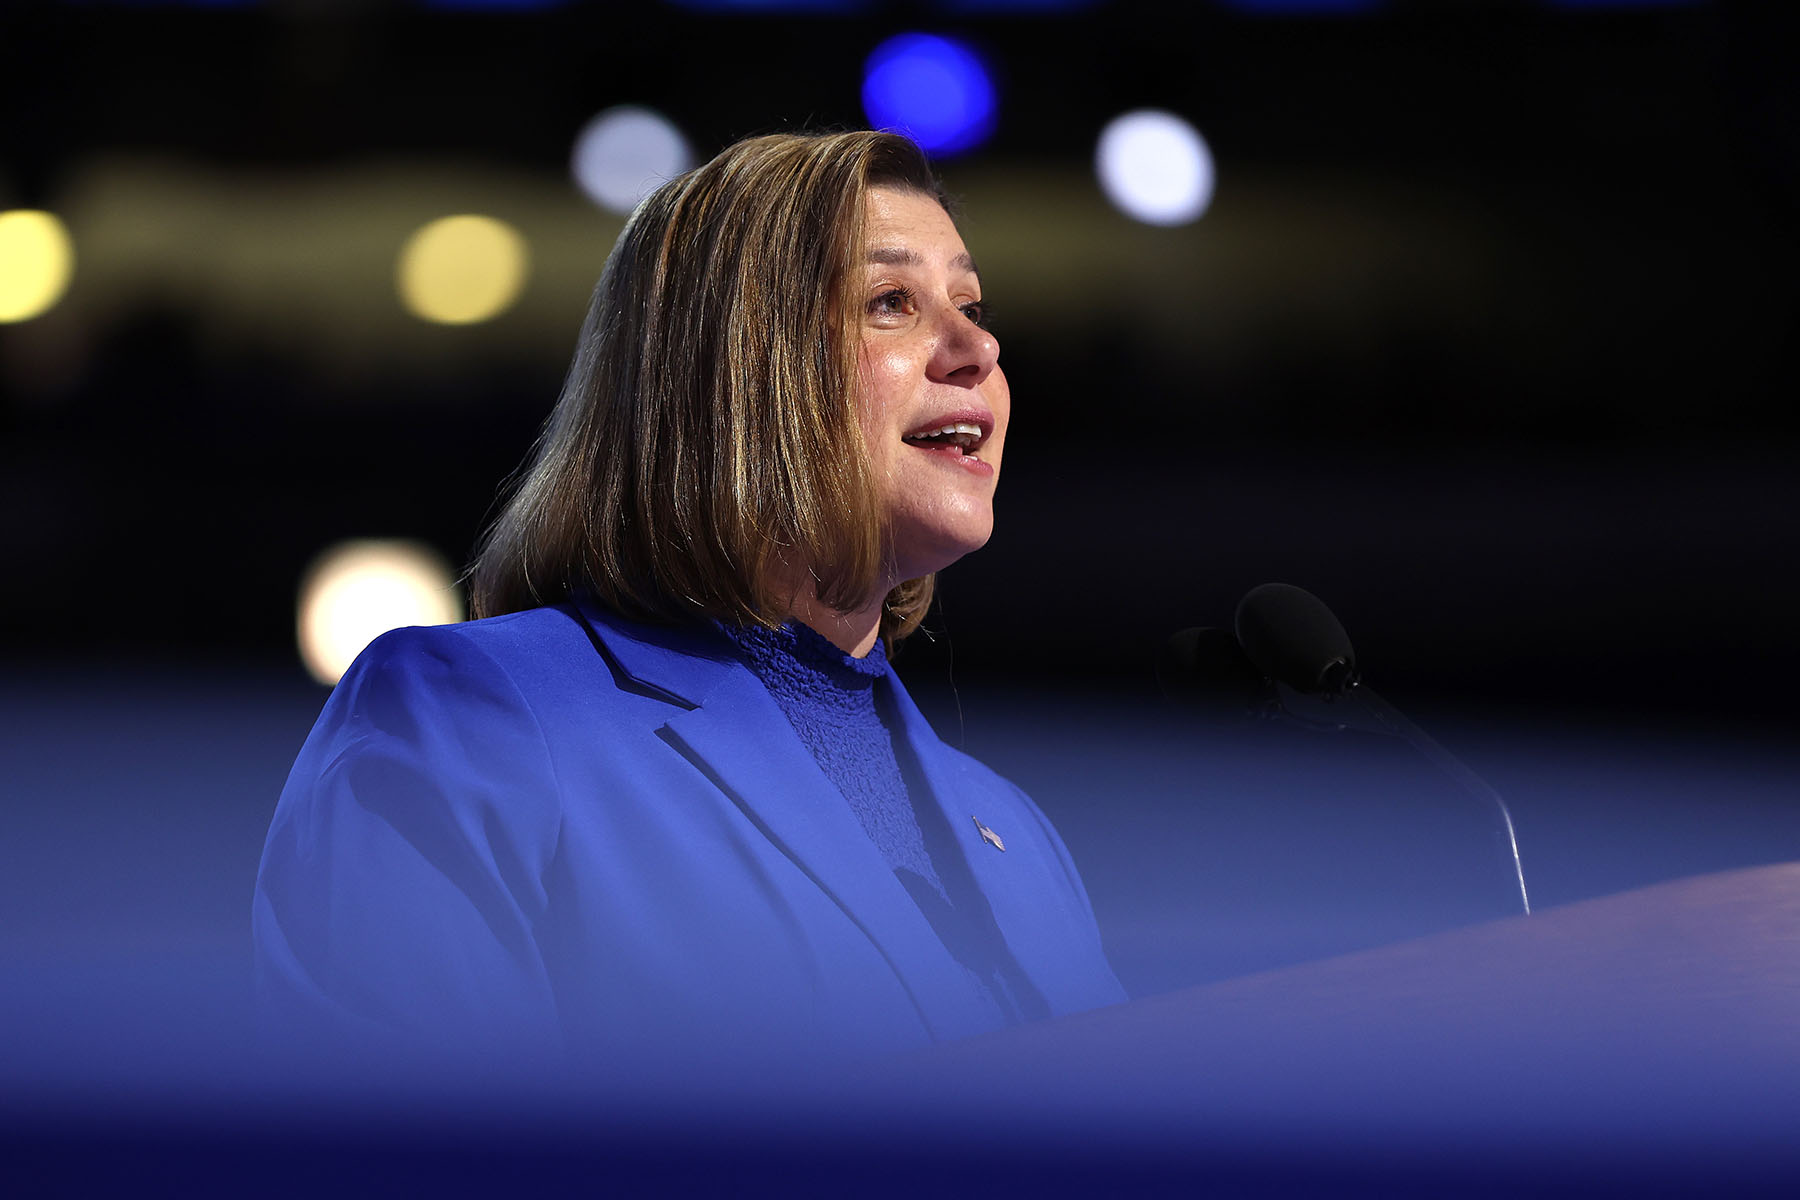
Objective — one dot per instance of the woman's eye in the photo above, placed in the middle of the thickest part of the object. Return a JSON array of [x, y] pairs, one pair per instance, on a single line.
[[896, 300], [903, 301]]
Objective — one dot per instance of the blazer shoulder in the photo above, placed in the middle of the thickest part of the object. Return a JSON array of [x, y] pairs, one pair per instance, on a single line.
[[442, 669], [442, 695], [537, 682], [508, 641], [534, 659]]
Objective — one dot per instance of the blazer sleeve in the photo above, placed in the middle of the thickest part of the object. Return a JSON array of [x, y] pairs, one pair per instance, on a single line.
[[405, 868]]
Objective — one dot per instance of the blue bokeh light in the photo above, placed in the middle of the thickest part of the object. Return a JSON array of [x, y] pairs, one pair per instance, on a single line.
[[935, 90]]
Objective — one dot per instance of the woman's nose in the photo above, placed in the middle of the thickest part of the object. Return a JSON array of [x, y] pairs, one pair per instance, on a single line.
[[966, 354]]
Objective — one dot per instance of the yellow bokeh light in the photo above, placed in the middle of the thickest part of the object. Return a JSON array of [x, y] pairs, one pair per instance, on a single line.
[[358, 590], [36, 260], [462, 269]]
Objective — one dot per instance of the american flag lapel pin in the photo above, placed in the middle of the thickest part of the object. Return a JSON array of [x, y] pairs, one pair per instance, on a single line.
[[987, 835]]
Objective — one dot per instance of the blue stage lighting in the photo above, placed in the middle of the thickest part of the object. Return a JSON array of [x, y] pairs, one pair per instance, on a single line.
[[931, 88]]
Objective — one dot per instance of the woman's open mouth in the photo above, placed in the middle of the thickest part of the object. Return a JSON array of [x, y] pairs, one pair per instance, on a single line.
[[960, 438]]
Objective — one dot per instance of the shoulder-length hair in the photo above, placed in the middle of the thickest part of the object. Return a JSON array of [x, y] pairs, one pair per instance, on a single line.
[[706, 451]]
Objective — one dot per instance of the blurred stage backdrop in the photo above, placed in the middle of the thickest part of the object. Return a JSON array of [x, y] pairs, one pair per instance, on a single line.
[[1475, 317]]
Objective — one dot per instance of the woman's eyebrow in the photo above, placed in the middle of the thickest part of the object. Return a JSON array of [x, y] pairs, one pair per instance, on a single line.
[[903, 256]]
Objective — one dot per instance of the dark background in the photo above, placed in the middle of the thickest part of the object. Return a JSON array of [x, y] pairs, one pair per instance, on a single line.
[[1487, 339]]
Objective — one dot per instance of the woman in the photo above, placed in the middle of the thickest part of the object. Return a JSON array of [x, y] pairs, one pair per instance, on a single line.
[[667, 797]]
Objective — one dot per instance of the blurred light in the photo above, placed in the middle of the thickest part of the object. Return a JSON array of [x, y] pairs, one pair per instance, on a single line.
[[462, 269], [356, 591], [36, 260], [1155, 167], [932, 89], [625, 153]]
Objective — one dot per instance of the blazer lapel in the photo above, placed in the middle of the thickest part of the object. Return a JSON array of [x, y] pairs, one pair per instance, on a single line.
[[1022, 890], [737, 736]]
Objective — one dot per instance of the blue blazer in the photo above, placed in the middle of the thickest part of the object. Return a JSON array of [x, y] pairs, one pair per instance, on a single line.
[[557, 825]]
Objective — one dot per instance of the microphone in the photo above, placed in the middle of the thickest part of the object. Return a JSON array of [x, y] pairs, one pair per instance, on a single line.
[[1294, 639]]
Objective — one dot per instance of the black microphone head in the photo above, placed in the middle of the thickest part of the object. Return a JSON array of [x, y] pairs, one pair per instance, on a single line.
[[1206, 665], [1291, 636]]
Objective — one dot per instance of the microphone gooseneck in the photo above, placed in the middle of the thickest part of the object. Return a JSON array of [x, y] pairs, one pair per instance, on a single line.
[[1294, 639]]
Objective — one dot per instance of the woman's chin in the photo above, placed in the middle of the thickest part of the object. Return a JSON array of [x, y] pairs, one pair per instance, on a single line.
[[927, 552]]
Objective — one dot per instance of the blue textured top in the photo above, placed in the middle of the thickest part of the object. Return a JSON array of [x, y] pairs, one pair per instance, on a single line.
[[832, 701], [829, 698]]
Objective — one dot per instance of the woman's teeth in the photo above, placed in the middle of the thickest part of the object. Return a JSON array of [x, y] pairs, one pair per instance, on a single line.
[[964, 435]]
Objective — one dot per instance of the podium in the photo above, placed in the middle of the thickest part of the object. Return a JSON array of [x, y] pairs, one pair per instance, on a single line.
[[1639, 1042]]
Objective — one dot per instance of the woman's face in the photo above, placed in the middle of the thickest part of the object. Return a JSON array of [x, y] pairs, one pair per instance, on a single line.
[[934, 402]]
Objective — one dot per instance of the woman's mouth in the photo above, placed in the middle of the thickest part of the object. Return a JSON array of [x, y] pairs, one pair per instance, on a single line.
[[960, 438]]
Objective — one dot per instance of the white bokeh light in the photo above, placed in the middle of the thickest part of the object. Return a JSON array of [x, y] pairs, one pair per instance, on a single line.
[[356, 591], [1155, 167], [625, 153]]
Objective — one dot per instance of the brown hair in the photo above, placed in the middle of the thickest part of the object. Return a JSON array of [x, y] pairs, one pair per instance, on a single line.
[[706, 445]]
